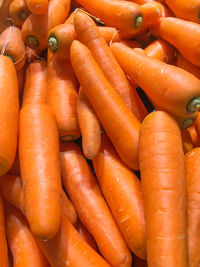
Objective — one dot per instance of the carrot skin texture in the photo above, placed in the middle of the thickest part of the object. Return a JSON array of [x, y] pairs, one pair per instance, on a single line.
[[123, 193], [62, 97], [80, 184], [18, 11], [9, 109], [188, 66], [37, 7], [68, 209], [109, 107], [163, 182], [163, 83], [3, 243]]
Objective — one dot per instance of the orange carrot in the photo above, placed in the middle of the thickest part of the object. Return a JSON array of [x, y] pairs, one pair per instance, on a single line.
[[163, 183], [37, 7], [119, 123], [193, 133], [197, 125], [89, 35], [12, 46], [181, 34], [89, 125], [62, 97], [18, 11], [163, 83], [35, 28], [21, 79], [186, 141], [9, 108], [32, 54], [68, 209], [70, 18], [91, 207], [3, 243], [23, 246], [122, 191]]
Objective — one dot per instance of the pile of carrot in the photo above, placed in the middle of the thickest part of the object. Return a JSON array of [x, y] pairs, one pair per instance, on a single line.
[[100, 133]]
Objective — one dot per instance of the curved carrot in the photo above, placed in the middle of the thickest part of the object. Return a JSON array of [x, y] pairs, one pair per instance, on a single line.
[[62, 97], [193, 188], [32, 54], [68, 209], [18, 11], [23, 246], [163, 83], [161, 50], [37, 7], [89, 125], [12, 46], [35, 28], [183, 63], [163, 183], [3, 242], [91, 207], [181, 34], [186, 141], [123, 193], [89, 35], [9, 108], [21, 79], [119, 123]]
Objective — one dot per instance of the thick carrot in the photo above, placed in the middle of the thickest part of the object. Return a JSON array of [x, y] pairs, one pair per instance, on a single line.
[[23, 246], [68, 209], [161, 50], [18, 11], [3, 242], [120, 124], [21, 79], [91, 207], [173, 89], [186, 141], [62, 97], [9, 108], [85, 235], [37, 7], [35, 28], [183, 63], [163, 183], [32, 54], [89, 35], [184, 35], [89, 125], [123, 193], [12, 46]]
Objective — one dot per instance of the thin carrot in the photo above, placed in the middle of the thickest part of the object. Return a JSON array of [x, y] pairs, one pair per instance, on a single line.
[[186, 141], [89, 35], [9, 108], [62, 97], [181, 34], [21, 79], [37, 7], [35, 28], [89, 125], [120, 124], [193, 133], [123, 193], [91, 207], [18, 11], [3, 243], [163, 83], [32, 54], [12, 46], [163, 183], [23, 246], [68, 209], [193, 189]]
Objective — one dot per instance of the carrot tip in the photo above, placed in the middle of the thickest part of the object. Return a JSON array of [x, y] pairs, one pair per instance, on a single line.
[[53, 44], [193, 105], [187, 123], [22, 15], [68, 137], [138, 21], [32, 41]]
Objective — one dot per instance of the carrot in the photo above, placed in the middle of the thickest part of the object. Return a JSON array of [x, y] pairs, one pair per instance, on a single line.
[[181, 34], [35, 28], [163, 83], [122, 191], [89, 35], [163, 183], [37, 7], [138, 262], [183, 63], [68, 209], [89, 125], [197, 125], [49, 56], [91, 207], [23, 246], [9, 108], [109, 107], [21, 79], [193, 188], [12, 46], [3, 243], [186, 141], [18, 11], [62, 97], [131, 43], [70, 18], [85, 235], [161, 50], [193, 133], [32, 54]]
